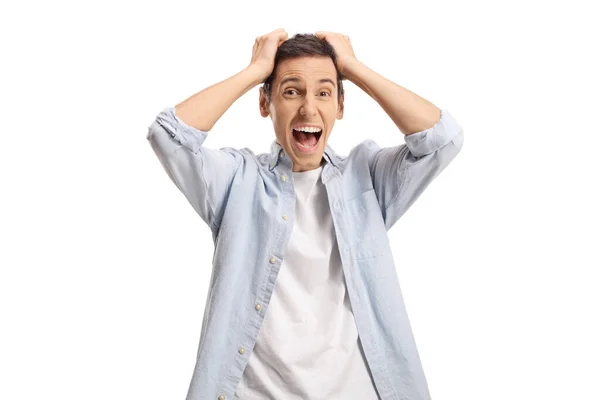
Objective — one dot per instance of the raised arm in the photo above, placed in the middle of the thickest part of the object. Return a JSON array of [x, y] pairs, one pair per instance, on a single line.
[[203, 109], [432, 137], [177, 135]]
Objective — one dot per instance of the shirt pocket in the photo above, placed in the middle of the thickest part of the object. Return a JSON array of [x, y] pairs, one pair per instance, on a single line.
[[366, 229]]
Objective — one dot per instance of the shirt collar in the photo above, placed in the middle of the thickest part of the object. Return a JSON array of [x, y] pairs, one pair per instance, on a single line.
[[278, 153]]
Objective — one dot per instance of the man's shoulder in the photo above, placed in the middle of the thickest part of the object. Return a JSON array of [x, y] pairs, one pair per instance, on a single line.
[[361, 150], [357, 150], [247, 154], [365, 145]]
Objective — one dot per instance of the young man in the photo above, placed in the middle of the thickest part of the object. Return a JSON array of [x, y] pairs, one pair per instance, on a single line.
[[304, 300]]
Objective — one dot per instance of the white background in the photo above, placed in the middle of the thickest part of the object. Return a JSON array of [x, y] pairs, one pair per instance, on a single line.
[[105, 266]]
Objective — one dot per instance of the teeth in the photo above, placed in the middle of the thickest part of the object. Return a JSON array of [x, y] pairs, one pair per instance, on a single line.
[[308, 129]]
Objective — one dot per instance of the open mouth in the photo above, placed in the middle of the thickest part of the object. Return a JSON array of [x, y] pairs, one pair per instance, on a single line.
[[306, 141]]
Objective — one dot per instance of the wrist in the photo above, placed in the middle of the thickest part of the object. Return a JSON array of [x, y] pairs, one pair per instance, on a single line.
[[349, 66], [256, 73]]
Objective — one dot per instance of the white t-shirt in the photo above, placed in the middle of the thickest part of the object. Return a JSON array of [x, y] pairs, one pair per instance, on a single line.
[[308, 346]]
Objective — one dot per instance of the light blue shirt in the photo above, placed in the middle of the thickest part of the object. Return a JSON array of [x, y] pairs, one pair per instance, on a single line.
[[248, 201]]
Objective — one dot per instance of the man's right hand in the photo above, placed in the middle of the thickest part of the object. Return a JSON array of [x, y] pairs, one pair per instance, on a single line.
[[263, 52], [203, 109]]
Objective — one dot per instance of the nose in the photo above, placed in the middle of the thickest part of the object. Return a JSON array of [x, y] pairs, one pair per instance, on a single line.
[[308, 107]]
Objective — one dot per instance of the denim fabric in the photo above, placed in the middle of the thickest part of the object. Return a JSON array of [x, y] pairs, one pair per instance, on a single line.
[[243, 197]]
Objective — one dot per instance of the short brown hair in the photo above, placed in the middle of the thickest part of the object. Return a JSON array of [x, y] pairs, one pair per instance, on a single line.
[[303, 45]]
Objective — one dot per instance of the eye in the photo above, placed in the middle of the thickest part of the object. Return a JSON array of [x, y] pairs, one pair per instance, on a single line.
[[290, 90], [327, 93]]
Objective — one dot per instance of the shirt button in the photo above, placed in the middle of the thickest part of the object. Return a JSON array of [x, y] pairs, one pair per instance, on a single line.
[[283, 178], [285, 217], [272, 260], [221, 397], [258, 307], [242, 350]]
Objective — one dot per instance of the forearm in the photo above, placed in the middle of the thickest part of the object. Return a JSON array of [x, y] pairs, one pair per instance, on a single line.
[[204, 109], [410, 112]]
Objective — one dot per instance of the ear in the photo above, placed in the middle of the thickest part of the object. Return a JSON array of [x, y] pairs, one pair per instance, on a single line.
[[263, 104], [340, 112]]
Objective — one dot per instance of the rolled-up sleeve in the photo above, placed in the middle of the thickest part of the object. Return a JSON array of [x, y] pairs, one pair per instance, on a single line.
[[202, 174], [401, 173], [435, 138]]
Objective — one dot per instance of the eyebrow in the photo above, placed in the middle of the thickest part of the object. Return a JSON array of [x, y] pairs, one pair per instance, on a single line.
[[297, 80]]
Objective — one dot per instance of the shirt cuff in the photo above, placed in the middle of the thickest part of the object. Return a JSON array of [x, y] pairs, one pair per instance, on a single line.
[[186, 135], [432, 139]]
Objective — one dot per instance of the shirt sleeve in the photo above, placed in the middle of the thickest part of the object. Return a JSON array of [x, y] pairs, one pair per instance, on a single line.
[[401, 173], [203, 175]]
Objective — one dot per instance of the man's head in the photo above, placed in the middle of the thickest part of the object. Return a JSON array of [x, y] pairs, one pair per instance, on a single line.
[[304, 91]]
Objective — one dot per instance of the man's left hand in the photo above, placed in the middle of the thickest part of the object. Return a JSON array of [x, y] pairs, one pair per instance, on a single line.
[[342, 47]]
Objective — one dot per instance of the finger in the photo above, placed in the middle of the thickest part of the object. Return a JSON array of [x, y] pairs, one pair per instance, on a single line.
[[281, 40], [275, 32], [279, 32], [328, 33]]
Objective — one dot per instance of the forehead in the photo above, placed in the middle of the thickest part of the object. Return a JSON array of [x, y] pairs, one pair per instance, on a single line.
[[306, 70]]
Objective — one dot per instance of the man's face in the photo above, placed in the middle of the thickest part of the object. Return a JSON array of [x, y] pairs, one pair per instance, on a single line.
[[303, 98]]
